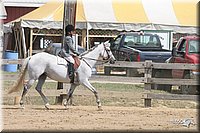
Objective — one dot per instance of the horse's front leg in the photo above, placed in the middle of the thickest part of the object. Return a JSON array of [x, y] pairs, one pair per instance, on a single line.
[[69, 93], [87, 84]]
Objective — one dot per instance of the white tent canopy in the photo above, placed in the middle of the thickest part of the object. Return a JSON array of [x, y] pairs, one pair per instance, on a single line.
[[175, 15]]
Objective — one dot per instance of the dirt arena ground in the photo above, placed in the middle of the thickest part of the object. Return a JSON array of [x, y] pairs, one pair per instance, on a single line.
[[123, 110], [89, 118]]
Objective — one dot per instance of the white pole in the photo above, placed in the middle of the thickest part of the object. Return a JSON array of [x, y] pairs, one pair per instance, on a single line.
[[24, 42], [87, 36]]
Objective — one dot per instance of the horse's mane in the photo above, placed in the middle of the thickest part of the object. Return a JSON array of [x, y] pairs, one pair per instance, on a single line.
[[89, 50]]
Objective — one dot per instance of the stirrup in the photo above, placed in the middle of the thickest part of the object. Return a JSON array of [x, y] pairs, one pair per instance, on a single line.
[[71, 75], [72, 80]]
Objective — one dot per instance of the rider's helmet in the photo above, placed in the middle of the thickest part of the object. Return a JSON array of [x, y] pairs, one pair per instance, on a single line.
[[69, 28]]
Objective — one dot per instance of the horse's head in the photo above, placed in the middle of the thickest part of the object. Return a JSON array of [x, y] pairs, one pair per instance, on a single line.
[[107, 54]]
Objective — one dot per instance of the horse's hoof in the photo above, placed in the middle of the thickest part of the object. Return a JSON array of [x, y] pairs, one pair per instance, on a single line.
[[22, 107], [65, 104], [47, 106], [66, 107], [100, 108], [73, 104]]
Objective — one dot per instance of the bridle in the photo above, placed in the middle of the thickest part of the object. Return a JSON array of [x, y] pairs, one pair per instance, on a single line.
[[105, 50], [105, 60]]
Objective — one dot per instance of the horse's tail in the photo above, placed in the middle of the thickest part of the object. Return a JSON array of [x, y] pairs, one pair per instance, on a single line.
[[20, 80]]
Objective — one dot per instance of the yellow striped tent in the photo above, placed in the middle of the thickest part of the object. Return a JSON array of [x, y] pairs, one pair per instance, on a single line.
[[176, 15]]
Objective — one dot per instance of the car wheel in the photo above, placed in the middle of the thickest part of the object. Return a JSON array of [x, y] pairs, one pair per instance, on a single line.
[[107, 70], [159, 74]]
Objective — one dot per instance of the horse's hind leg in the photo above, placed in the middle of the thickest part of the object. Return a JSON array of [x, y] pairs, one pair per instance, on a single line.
[[40, 83], [87, 84], [27, 86]]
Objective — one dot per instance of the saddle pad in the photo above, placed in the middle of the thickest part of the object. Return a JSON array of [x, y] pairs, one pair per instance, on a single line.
[[61, 61]]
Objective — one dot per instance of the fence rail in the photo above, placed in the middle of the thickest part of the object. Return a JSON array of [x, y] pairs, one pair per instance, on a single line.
[[150, 64], [149, 80], [11, 61]]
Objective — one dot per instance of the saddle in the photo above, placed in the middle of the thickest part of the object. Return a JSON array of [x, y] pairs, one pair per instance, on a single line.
[[76, 62]]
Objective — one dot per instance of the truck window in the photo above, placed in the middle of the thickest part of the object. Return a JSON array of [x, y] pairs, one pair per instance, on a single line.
[[153, 42], [136, 40], [193, 46], [130, 40]]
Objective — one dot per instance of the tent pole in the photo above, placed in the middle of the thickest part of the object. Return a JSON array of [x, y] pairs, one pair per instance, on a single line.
[[24, 42], [87, 36], [31, 42], [60, 84], [69, 17], [83, 42], [64, 23], [20, 43]]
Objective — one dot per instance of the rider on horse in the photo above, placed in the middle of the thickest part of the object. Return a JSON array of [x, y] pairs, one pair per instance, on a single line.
[[68, 50]]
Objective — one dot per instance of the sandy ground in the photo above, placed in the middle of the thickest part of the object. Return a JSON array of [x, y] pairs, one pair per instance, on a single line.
[[122, 111], [88, 118]]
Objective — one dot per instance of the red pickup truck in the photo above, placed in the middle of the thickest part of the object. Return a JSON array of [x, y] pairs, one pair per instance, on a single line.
[[186, 51]]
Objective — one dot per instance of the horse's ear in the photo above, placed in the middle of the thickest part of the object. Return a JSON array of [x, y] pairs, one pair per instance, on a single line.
[[107, 44]]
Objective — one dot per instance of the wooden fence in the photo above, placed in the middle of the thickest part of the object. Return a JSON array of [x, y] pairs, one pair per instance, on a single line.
[[147, 79]]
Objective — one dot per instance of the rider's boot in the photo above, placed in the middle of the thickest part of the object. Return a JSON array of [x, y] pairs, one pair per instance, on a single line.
[[71, 72]]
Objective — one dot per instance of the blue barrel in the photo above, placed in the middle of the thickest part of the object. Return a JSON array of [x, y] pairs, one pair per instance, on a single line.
[[10, 55]]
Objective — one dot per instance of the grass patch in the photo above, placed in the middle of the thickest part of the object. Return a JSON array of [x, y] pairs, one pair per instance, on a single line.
[[111, 94], [48, 85], [123, 87], [118, 87], [99, 86], [9, 73]]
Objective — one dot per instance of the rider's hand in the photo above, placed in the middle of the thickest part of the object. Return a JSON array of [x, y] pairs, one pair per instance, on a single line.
[[77, 53]]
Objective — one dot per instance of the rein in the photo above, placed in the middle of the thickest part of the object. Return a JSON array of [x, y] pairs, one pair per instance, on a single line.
[[103, 61], [93, 59]]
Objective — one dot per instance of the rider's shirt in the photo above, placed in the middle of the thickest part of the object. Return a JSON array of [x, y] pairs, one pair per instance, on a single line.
[[68, 47]]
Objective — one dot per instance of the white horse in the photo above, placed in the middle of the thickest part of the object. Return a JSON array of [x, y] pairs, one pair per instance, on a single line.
[[43, 65]]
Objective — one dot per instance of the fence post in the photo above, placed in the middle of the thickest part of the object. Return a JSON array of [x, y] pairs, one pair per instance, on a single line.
[[147, 82], [147, 74], [63, 95], [59, 99]]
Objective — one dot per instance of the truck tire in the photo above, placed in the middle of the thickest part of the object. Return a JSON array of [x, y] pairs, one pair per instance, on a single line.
[[188, 89], [159, 74], [161, 87], [132, 72], [107, 70]]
